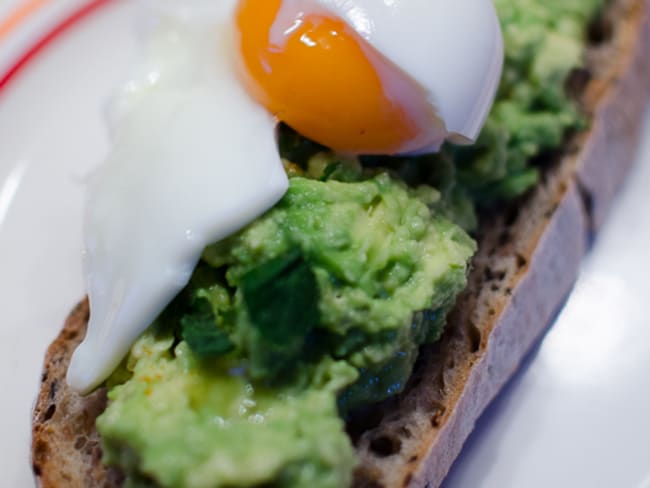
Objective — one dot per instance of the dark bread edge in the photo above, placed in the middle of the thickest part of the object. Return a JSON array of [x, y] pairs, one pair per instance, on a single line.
[[506, 307], [65, 443]]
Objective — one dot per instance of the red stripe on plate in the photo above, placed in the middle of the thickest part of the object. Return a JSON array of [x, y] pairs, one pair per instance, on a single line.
[[48, 38]]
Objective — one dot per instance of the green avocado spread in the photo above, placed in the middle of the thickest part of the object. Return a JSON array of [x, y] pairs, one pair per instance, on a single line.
[[319, 307]]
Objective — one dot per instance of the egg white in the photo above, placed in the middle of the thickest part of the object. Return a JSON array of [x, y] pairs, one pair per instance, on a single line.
[[193, 160]]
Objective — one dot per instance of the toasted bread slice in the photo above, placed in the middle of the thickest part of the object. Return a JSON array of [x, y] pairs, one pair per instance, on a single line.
[[519, 280]]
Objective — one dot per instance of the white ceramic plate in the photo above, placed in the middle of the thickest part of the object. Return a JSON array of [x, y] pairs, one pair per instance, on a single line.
[[578, 415]]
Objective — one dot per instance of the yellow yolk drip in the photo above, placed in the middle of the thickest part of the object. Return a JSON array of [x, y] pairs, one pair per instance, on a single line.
[[317, 77]]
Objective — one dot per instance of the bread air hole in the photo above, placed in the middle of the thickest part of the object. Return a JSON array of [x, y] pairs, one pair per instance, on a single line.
[[600, 31], [80, 443], [436, 418], [49, 413], [385, 445], [474, 336], [576, 84]]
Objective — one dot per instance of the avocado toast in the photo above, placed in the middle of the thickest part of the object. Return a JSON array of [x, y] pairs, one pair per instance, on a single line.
[[512, 252]]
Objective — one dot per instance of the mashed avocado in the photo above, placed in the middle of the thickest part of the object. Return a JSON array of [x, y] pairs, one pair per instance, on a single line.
[[182, 422], [296, 318], [320, 305], [544, 41]]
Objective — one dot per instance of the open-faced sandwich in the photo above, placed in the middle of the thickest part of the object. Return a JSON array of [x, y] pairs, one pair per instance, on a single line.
[[333, 300]]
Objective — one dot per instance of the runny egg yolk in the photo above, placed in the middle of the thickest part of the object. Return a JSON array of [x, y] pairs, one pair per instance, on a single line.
[[314, 72]]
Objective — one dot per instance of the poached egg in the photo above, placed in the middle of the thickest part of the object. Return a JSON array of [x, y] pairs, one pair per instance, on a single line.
[[194, 154]]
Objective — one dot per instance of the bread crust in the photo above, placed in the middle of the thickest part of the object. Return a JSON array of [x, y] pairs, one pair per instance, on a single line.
[[508, 304], [65, 443]]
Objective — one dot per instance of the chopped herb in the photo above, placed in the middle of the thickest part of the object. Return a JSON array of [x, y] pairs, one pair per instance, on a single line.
[[330, 170], [281, 299], [202, 334]]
